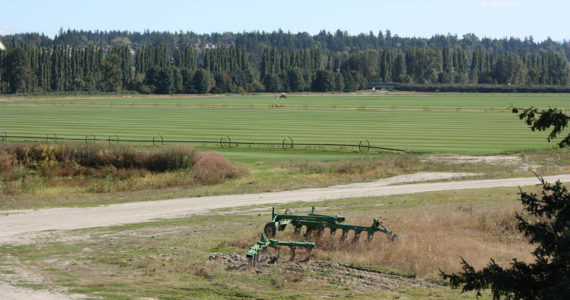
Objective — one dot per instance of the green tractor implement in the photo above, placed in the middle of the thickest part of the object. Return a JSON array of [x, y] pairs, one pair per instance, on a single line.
[[253, 255], [317, 223]]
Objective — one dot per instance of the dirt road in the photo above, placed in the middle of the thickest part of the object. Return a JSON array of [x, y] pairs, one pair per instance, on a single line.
[[21, 225], [8, 292]]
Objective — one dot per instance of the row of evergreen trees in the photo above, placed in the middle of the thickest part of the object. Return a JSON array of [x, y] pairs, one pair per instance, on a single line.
[[255, 42], [448, 66], [152, 69]]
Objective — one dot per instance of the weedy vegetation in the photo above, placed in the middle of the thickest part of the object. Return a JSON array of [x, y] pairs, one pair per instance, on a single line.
[[102, 168]]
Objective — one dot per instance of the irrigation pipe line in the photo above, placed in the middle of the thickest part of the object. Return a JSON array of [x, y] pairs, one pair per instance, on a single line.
[[224, 142]]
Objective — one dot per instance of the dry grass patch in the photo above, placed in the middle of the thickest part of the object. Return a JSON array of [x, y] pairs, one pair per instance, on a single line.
[[430, 239], [360, 168]]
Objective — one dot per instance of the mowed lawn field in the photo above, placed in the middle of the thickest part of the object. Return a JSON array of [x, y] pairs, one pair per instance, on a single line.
[[447, 123]]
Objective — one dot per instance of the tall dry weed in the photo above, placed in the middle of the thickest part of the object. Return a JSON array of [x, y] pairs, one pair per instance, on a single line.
[[430, 240], [7, 161]]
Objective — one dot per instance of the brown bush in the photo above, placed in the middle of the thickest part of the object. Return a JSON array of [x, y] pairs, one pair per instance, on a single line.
[[212, 168], [7, 161]]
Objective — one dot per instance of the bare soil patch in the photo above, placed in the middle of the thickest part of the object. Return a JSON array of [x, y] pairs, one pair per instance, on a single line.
[[470, 159], [343, 275]]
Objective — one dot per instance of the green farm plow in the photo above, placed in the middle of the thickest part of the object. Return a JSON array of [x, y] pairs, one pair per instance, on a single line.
[[317, 223], [253, 255], [314, 223]]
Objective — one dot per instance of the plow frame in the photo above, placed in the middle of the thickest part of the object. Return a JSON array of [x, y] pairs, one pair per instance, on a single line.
[[318, 222], [253, 255]]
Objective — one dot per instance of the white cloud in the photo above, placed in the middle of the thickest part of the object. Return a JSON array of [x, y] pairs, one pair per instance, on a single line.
[[452, 11], [5, 30], [499, 4]]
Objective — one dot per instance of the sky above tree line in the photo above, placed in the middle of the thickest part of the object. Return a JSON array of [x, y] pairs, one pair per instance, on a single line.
[[406, 18]]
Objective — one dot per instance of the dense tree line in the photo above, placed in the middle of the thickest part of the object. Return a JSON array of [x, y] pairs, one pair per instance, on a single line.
[[448, 66], [225, 67], [28, 69], [256, 42]]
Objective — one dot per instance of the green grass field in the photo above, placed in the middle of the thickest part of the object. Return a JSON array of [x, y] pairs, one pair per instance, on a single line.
[[329, 101], [450, 123]]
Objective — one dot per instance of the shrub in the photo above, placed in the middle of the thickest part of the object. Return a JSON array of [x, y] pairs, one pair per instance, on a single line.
[[7, 161], [171, 158], [212, 168]]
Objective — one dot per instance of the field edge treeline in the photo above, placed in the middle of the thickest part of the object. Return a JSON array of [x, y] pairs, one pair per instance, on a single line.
[[233, 68]]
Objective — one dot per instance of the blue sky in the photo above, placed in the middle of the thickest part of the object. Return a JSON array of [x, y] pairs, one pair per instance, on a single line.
[[407, 18]]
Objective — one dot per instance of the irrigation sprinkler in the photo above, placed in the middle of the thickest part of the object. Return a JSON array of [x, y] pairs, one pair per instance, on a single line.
[[113, 139], [90, 138], [52, 136], [157, 141], [225, 142], [287, 143], [364, 146]]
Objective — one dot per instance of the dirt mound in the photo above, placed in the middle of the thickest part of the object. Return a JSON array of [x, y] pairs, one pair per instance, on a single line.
[[356, 278], [230, 261]]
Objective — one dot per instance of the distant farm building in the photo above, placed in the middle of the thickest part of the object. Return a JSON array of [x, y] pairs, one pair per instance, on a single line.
[[378, 86]]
